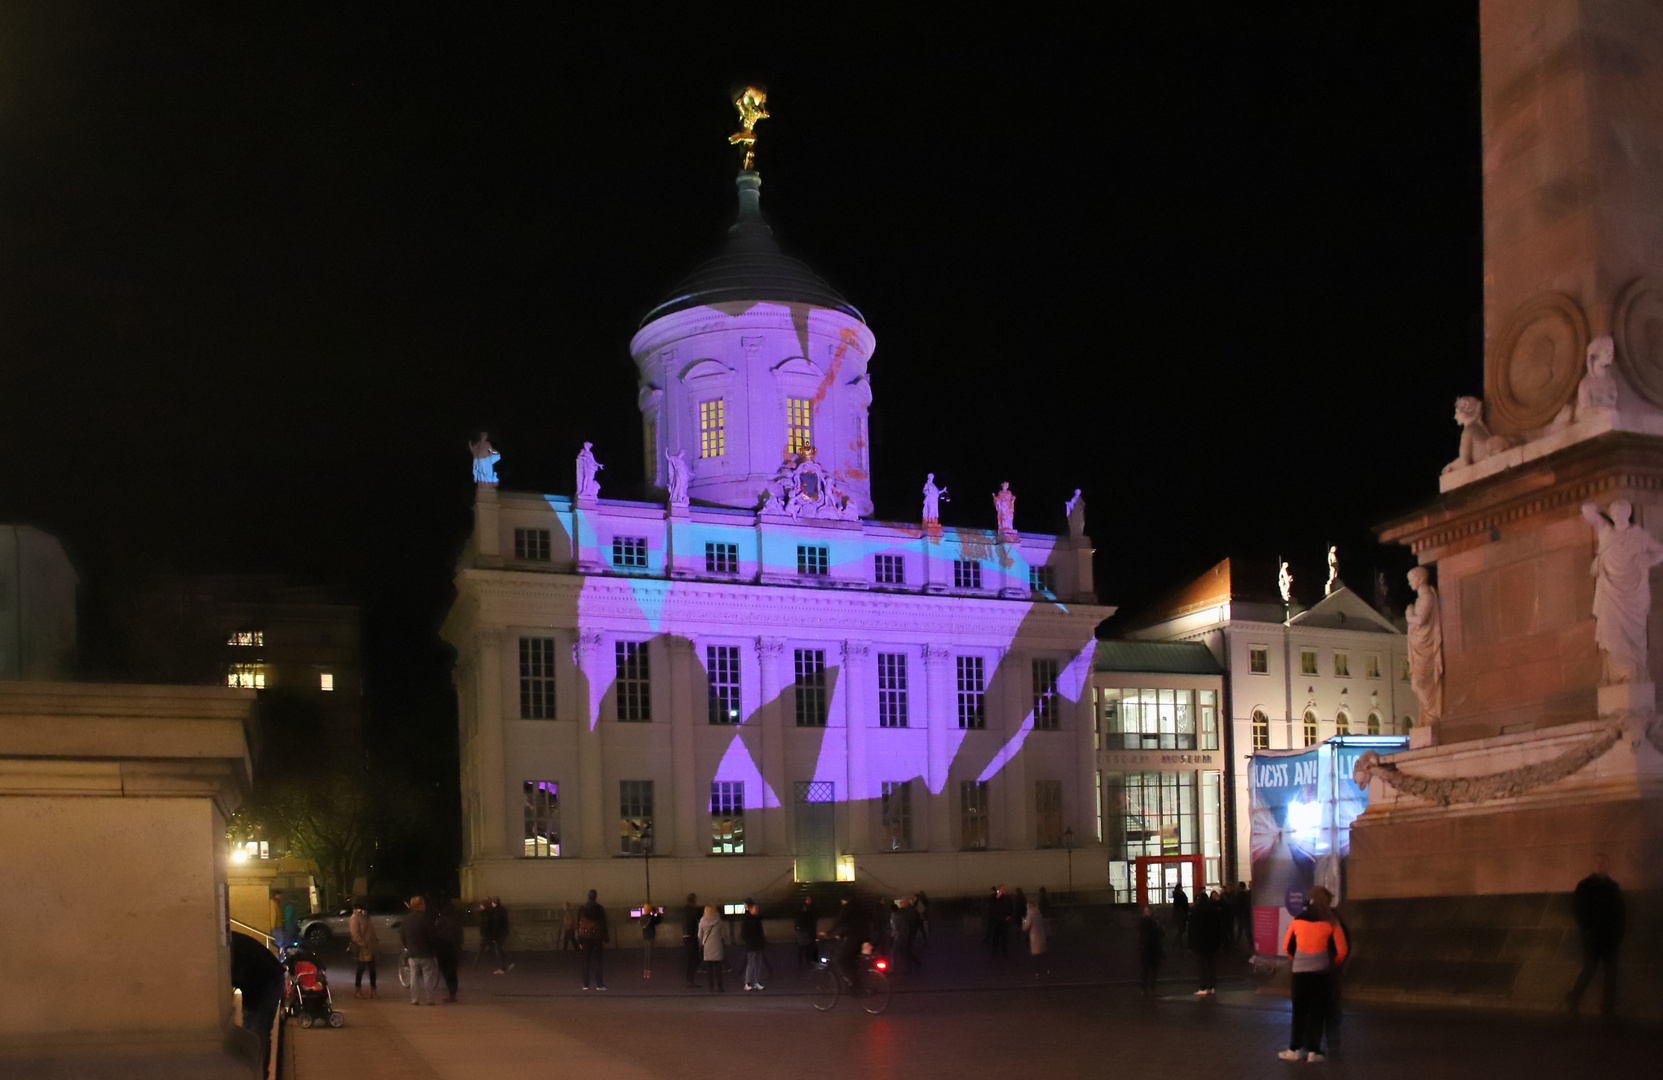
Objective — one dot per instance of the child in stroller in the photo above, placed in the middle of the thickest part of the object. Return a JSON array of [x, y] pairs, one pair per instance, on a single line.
[[306, 995]]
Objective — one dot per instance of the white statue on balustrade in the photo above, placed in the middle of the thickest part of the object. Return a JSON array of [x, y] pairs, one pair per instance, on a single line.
[[485, 458], [1333, 571], [1621, 569], [1004, 509], [1426, 647], [933, 498], [587, 486], [1284, 584], [1076, 510], [676, 467]]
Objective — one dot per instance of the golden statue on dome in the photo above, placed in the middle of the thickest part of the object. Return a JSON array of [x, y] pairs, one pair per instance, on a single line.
[[752, 106]]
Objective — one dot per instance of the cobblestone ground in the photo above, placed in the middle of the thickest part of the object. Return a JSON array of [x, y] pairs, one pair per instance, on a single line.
[[963, 1015]]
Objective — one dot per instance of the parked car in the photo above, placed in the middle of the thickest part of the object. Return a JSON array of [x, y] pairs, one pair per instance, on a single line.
[[328, 929]]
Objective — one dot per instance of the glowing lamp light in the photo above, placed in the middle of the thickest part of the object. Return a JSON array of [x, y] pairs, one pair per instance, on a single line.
[[239, 855]]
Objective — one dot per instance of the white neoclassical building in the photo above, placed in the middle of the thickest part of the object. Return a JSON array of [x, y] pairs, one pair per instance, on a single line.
[[751, 683]]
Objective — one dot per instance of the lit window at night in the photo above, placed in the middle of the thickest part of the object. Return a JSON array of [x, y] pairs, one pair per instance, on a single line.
[[1342, 666], [247, 637], [721, 558], [973, 815], [1310, 728], [897, 814], [246, 676], [537, 678], [1308, 662], [629, 551], [722, 667], [1372, 671], [1258, 660], [727, 817], [1342, 724], [633, 682], [635, 817], [531, 544], [810, 687], [971, 686], [813, 559], [967, 574], [892, 690], [1374, 723], [799, 413], [1047, 706], [1042, 579], [891, 570], [713, 439], [542, 819], [326, 681], [1261, 731]]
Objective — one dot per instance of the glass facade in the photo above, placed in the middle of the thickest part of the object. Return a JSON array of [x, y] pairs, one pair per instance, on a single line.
[[1162, 814], [1142, 719]]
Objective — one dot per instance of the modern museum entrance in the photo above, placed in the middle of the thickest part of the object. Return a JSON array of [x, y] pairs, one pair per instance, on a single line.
[[1158, 875]]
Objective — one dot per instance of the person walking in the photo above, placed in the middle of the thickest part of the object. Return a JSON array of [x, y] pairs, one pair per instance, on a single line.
[[999, 914], [806, 924], [1033, 925], [710, 946], [447, 947], [1315, 942], [416, 935], [592, 936], [694, 952], [650, 917], [1602, 918], [568, 927], [1180, 913], [1151, 950], [911, 922], [752, 937], [1206, 937], [259, 975], [361, 929], [495, 916]]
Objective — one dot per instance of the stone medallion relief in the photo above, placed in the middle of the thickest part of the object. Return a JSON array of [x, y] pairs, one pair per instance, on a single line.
[[1537, 362], [1638, 329]]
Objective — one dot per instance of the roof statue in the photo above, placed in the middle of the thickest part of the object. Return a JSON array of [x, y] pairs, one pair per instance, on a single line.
[[1284, 583], [485, 458], [1004, 509], [676, 466], [752, 106], [1623, 557], [587, 486], [1075, 508], [933, 498], [1333, 571]]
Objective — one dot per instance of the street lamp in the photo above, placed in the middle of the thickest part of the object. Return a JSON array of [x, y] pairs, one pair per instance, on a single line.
[[1068, 845]]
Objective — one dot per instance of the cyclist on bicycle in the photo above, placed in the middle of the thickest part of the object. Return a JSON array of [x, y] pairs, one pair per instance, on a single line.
[[852, 931]]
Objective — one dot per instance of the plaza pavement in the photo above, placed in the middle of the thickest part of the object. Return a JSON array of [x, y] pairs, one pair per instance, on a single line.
[[963, 1016]]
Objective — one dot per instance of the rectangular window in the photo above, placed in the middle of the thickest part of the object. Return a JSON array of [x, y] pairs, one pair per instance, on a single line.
[[247, 637], [722, 665], [633, 681], [1342, 666], [1372, 671], [629, 551], [635, 817], [721, 558], [1048, 813], [536, 678], [1042, 579], [713, 437], [1209, 718], [1308, 662], [897, 814], [326, 680], [892, 690], [799, 414], [727, 817], [973, 815], [542, 819], [971, 712], [1047, 705], [810, 687], [813, 559], [531, 544], [1258, 660], [246, 676], [967, 574], [891, 570]]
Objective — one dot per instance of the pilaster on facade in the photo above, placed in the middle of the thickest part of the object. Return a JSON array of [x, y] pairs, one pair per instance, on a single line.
[[587, 656]]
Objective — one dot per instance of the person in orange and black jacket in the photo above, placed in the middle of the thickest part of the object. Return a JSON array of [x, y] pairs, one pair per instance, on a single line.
[[1316, 943]]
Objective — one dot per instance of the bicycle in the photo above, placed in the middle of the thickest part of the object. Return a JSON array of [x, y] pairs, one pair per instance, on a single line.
[[871, 983], [404, 968]]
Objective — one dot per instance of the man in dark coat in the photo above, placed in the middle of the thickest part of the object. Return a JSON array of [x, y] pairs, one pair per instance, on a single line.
[[592, 936], [807, 925], [690, 917], [1206, 935], [1150, 950], [999, 922], [1602, 918], [1180, 913]]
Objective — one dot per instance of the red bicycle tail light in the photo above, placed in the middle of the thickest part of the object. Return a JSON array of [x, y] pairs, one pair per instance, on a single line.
[[882, 964]]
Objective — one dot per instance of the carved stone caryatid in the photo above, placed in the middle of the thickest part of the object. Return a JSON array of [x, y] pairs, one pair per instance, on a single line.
[[676, 469], [1621, 569], [1598, 389], [1445, 790], [1004, 509], [1426, 648], [1075, 508], [933, 498], [587, 486], [1477, 443], [485, 458]]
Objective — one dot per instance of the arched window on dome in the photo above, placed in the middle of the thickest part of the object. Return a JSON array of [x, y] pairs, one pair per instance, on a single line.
[[1261, 730], [1310, 728]]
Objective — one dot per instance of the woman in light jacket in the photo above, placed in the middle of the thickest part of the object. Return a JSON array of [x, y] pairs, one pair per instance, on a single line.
[[710, 940], [364, 944], [1033, 924]]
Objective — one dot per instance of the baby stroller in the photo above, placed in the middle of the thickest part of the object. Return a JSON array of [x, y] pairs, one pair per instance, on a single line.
[[306, 993]]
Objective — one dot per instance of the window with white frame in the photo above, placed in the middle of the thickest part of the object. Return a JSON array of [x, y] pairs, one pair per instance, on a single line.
[[1261, 731], [892, 690], [629, 551], [635, 817], [632, 681], [897, 814], [1372, 666], [1342, 665], [1310, 728], [1047, 705], [971, 686], [531, 545], [967, 574], [799, 422], [1042, 579], [973, 830], [1258, 660], [813, 559], [722, 667], [721, 558], [537, 678], [1308, 662], [890, 570], [727, 817], [810, 686], [542, 819], [713, 437], [1048, 813]]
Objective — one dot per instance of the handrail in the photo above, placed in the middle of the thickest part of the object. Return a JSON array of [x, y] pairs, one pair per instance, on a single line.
[[261, 934]]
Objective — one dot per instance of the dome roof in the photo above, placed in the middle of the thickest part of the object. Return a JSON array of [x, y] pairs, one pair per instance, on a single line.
[[751, 268]]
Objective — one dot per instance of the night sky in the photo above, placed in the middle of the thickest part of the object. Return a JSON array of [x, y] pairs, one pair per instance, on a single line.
[[263, 269]]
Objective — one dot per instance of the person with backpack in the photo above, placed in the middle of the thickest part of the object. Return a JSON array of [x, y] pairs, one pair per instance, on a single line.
[[1316, 943], [592, 936]]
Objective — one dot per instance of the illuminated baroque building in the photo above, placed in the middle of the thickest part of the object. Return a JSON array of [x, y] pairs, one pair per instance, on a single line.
[[752, 681]]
